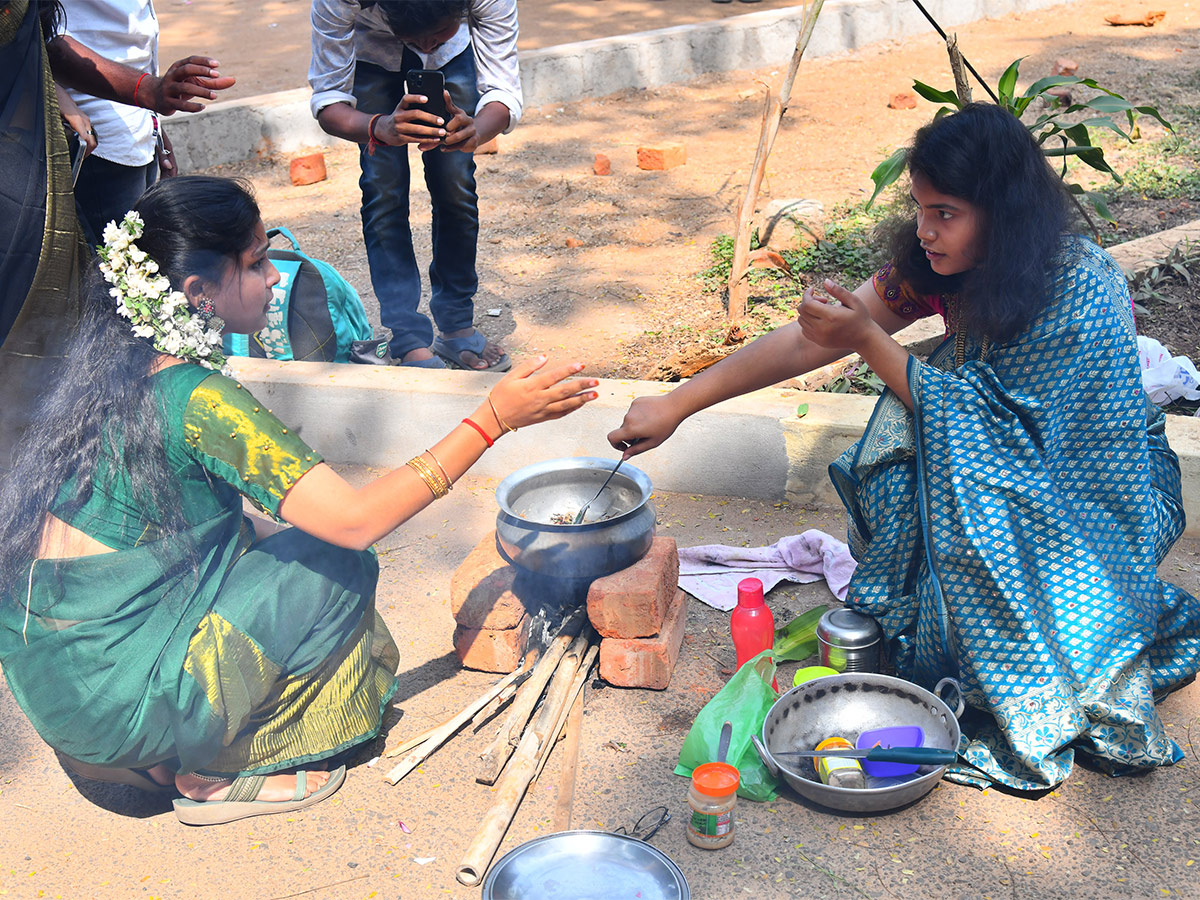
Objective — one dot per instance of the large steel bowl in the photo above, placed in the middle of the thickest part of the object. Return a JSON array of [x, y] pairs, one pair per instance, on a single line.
[[619, 527], [847, 705], [585, 865]]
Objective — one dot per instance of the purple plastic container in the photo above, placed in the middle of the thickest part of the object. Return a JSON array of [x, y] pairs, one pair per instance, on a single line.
[[893, 736]]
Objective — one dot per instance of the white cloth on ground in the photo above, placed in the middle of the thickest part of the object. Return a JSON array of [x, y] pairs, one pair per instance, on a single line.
[[711, 572]]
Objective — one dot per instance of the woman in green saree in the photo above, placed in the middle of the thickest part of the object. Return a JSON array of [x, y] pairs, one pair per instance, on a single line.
[[155, 635]]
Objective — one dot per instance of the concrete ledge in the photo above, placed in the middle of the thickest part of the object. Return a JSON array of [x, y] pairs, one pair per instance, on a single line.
[[237, 130], [752, 446]]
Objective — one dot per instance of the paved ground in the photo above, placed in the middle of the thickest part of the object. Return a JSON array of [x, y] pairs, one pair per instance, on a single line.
[[1095, 837]]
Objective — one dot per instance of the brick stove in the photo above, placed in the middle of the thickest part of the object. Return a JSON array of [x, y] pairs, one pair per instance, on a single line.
[[500, 609]]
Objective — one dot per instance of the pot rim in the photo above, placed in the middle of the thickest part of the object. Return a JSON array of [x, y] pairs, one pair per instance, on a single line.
[[568, 463]]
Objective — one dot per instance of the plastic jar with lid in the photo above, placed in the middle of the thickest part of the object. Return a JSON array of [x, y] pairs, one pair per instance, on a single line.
[[712, 796]]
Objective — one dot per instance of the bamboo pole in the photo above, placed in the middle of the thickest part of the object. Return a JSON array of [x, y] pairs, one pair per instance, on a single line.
[[564, 803], [739, 285], [497, 754], [520, 771], [443, 732], [576, 686]]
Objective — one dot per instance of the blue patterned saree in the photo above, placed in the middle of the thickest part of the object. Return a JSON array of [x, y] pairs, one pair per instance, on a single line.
[[1008, 533]]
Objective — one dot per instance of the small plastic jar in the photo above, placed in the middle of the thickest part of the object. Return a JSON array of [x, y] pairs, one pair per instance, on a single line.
[[711, 798]]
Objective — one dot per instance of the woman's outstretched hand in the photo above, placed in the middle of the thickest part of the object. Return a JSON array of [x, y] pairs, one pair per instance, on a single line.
[[649, 422], [844, 324], [533, 393]]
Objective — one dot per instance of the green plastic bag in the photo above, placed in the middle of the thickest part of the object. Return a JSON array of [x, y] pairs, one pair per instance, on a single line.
[[744, 702]]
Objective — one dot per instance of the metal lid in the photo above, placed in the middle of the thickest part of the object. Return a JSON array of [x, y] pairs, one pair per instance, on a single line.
[[847, 628]]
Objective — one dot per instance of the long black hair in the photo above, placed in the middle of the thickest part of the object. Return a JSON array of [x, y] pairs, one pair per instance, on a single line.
[[417, 18], [984, 155], [103, 414]]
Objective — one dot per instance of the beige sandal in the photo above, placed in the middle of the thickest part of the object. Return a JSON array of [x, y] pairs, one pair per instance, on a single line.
[[241, 801]]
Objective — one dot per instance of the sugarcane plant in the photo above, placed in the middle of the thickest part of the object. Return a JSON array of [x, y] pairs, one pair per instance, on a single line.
[[1058, 130]]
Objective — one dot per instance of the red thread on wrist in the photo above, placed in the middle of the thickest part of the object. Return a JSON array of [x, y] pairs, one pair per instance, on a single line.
[[372, 142], [138, 85], [483, 434]]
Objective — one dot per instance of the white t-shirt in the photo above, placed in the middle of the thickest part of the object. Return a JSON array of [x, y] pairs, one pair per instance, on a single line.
[[125, 31]]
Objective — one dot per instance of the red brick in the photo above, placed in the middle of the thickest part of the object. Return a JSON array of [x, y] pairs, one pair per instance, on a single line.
[[488, 147], [307, 169], [646, 662], [662, 156], [632, 603], [481, 589], [492, 649], [602, 165]]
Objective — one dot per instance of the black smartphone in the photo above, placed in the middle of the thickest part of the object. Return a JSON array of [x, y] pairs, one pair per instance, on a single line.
[[430, 83]]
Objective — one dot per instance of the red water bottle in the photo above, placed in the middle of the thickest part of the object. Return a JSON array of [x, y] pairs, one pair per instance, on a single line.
[[751, 623]]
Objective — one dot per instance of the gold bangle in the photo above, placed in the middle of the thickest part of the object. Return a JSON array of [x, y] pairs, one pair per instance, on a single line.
[[504, 426], [421, 465], [445, 477], [427, 475]]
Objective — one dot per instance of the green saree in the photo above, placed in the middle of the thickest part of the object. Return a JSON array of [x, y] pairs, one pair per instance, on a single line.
[[208, 652]]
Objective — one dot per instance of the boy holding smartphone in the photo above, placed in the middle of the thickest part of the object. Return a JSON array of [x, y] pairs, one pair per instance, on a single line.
[[363, 54]]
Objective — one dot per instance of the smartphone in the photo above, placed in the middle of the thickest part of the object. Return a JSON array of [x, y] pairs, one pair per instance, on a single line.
[[430, 83]]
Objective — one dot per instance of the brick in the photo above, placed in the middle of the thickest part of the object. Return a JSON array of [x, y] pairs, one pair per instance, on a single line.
[[1064, 66], [602, 165], [492, 649], [632, 603], [488, 147], [481, 589], [646, 662], [662, 156], [308, 169]]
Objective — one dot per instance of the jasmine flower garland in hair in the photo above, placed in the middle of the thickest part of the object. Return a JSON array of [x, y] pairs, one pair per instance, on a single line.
[[145, 298]]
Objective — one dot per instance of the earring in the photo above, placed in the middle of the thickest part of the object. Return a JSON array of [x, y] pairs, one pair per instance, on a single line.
[[207, 311]]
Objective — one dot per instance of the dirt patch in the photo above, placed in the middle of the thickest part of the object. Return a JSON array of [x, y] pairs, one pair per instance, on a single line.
[[606, 269]]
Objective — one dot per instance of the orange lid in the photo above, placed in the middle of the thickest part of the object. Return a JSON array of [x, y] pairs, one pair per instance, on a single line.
[[716, 779]]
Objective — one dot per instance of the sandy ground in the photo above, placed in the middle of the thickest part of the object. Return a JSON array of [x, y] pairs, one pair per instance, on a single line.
[[605, 267]]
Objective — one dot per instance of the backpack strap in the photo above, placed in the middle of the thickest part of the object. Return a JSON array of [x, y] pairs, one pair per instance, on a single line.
[[287, 234]]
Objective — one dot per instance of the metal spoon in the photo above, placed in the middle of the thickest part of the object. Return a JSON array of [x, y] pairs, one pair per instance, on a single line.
[[579, 515]]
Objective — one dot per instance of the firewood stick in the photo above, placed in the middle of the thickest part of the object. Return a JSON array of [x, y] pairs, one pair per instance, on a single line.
[[739, 288], [445, 731], [564, 803], [494, 705], [497, 754], [498, 688], [519, 773], [577, 684]]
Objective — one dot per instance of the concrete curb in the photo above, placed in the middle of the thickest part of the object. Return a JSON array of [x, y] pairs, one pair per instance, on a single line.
[[280, 122]]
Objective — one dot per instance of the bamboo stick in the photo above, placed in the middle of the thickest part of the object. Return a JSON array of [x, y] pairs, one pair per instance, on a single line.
[[497, 754], [443, 732], [564, 803], [494, 705], [577, 684], [739, 286], [520, 772]]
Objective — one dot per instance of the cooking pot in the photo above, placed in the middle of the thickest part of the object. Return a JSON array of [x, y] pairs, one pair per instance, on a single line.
[[846, 705], [537, 502]]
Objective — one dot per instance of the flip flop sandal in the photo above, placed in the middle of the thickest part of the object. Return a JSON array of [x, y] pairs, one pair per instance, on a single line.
[[450, 349], [432, 363], [137, 778], [240, 800]]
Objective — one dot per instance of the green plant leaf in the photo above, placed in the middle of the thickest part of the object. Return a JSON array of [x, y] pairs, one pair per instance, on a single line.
[[1008, 83], [798, 638], [1101, 207], [936, 96], [1154, 114], [887, 172], [801, 410]]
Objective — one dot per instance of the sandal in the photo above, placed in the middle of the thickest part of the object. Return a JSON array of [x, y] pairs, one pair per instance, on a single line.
[[451, 350], [240, 800], [137, 778]]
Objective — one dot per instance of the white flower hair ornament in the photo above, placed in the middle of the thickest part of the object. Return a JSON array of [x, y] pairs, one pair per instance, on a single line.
[[145, 298]]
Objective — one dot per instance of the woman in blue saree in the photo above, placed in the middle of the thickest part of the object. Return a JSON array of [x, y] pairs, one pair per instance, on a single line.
[[1012, 496]]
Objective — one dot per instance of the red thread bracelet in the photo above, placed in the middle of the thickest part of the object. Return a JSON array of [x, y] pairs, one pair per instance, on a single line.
[[372, 143], [138, 85], [483, 434]]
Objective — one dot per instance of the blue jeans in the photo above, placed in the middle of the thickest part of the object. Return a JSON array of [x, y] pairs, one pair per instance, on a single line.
[[106, 191], [450, 177]]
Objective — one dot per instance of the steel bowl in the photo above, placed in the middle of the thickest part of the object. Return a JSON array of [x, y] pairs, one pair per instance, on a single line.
[[846, 705], [585, 865], [619, 530]]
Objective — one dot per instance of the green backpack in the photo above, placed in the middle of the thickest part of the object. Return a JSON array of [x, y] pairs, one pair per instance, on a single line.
[[315, 314]]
